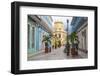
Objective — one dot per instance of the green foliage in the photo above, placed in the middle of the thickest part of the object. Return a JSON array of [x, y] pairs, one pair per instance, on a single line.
[[73, 36], [46, 39]]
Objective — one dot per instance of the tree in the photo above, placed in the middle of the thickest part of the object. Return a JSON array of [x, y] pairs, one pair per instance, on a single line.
[[47, 41], [73, 38]]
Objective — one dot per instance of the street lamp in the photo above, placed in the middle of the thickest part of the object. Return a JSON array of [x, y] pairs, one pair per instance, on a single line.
[[67, 29], [67, 47]]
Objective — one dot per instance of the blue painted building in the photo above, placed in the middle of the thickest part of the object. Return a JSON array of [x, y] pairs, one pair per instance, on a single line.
[[37, 27], [77, 22]]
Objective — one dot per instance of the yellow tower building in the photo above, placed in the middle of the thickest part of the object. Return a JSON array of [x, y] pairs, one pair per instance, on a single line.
[[59, 34]]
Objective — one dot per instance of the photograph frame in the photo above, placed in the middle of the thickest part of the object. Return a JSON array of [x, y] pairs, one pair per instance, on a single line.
[[15, 37]]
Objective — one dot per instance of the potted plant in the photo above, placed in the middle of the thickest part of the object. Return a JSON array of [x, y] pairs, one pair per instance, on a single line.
[[47, 41], [73, 38]]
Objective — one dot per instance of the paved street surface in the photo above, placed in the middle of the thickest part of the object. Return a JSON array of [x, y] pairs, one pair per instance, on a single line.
[[56, 54]]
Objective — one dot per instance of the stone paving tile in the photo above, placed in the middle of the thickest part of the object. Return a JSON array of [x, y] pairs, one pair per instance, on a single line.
[[57, 54]]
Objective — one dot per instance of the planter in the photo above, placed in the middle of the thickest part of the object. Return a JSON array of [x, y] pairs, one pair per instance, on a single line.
[[74, 52], [50, 49], [46, 49]]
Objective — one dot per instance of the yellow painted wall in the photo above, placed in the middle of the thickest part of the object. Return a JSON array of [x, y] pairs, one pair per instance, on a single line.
[[59, 32]]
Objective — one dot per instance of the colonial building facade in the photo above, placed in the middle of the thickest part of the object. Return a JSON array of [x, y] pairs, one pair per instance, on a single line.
[[37, 27], [59, 32]]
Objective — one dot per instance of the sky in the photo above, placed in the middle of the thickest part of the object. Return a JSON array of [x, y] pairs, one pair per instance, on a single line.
[[64, 20]]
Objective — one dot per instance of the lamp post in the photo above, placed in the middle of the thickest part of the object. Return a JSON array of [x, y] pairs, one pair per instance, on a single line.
[[68, 46], [67, 29]]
